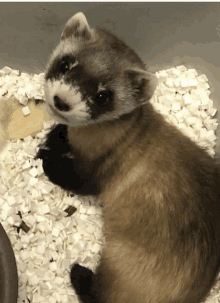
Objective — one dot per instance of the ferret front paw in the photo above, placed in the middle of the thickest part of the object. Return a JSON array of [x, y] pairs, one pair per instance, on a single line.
[[59, 169], [43, 154]]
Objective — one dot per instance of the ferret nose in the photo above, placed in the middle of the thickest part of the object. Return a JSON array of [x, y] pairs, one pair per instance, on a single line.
[[60, 104]]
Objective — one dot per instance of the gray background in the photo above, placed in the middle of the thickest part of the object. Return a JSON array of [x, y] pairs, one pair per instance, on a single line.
[[163, 34]]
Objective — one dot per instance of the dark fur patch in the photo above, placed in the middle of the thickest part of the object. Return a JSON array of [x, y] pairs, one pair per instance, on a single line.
[[54, 71], [63, 166], [81, 279]]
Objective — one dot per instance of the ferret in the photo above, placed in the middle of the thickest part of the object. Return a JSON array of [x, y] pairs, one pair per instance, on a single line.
[[160, 191]]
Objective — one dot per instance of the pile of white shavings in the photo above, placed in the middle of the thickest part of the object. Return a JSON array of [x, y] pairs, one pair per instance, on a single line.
[[50, 240], [183, 98]]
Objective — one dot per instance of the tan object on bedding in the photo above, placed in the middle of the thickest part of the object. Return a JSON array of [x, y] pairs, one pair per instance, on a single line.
[[17, 126]]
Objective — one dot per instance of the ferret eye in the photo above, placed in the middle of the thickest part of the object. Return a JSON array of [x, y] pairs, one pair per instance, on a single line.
[[103, 98], [67, 65], [64, 67]]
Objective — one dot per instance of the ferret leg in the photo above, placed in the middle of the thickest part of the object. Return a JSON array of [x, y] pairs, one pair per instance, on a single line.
[[81, 279]]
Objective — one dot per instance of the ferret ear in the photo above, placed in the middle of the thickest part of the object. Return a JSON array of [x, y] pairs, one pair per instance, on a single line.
[[143, 82], [77, 26]]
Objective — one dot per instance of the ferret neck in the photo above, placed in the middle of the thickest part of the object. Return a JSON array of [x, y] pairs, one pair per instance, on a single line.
[[94, 140]]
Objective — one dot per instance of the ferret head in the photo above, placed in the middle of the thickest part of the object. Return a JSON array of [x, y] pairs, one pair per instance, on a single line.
[[93, 76]]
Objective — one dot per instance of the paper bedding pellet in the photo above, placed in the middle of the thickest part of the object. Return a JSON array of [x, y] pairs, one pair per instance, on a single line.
[[49, 228]]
